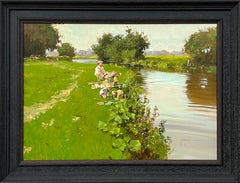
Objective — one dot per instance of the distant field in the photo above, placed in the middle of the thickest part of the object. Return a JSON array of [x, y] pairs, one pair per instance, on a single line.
[[174, 64], [167, 63], [86, 57], [61, 112]]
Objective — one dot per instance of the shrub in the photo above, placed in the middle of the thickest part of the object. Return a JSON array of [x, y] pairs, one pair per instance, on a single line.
[[131, 125]]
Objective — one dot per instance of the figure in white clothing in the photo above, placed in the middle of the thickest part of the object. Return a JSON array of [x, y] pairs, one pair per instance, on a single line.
[[99, 71]]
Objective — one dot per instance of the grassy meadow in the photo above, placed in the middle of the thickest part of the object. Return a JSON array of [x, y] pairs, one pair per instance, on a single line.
[[173, 63], [85, 57], [61, 112], [166, 63]]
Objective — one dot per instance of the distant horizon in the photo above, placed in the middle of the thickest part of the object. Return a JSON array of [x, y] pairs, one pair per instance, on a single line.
[[89, 49], [153, 52]]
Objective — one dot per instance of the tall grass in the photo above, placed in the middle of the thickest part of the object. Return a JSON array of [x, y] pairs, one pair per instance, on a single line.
[[68, 130]]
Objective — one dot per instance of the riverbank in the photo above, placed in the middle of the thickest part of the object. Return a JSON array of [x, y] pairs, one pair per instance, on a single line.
[[61, 112], [181, 64], [165, 63]]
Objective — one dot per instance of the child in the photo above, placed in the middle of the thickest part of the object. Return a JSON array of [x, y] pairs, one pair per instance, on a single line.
[[99, 70], [104, 91], [118, 94]]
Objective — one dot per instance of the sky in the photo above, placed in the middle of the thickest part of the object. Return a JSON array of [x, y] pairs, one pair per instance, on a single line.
[[170, 37]]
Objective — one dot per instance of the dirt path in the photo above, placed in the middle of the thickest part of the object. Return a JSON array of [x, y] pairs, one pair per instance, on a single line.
[[31, 112]]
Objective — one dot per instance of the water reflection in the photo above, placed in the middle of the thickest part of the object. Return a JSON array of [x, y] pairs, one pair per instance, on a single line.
[[201, 88], [188, 103], [86, 61]]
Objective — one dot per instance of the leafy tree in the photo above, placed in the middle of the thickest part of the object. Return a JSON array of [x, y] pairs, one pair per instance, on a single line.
[[38, 38], [201, 46], [113, 51], [66, 49], [136, 42], [103, 44], [121, 48], [128, 56]]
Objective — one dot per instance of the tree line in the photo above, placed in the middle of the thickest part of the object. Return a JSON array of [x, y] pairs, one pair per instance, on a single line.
[[128, 48], [41, 37], [201, 46]]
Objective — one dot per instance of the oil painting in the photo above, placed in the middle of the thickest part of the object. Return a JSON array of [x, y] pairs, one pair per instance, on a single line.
[[120, 91]]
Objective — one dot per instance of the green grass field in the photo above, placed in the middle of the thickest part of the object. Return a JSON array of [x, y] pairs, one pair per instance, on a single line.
[[61, 112], [166, 63], [173, 63], [85, 57]]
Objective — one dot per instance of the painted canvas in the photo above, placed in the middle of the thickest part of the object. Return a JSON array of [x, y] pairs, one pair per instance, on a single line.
[[120, 91]]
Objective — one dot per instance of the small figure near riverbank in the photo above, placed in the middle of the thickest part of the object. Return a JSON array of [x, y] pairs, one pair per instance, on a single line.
[[101, 74], [104, 91], [107, 81], [99, 70], [112, 77], [118, 94]]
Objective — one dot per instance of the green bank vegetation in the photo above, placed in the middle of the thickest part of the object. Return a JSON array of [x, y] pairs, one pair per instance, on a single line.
[[172, 63], [64, 118], [133, 125], [85, 57], [62, 112], [166, 63]]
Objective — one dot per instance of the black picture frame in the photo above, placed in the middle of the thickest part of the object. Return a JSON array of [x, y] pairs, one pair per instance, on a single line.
[[226, 13]]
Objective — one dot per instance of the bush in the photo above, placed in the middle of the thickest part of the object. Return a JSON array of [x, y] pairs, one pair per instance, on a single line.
[[64, 58], [66, 49], [131, 124]]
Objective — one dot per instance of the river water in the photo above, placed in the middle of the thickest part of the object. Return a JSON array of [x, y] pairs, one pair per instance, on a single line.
[[86, 61], [187, 101]]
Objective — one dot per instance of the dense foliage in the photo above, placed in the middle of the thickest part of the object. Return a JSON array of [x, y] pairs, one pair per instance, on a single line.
[[38, 38], [121, 48], [131, 123], [201, 46], [66, 49]]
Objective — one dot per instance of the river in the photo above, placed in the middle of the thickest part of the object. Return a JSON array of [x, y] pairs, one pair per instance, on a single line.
[[187, 101]]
